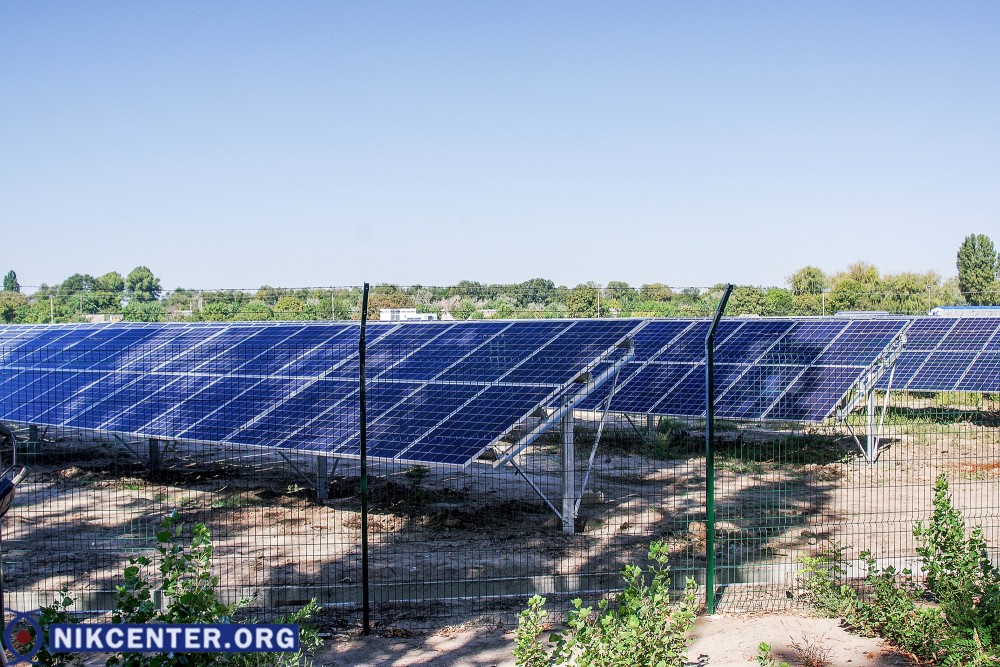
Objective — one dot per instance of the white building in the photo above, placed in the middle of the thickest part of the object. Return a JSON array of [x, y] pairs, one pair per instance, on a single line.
[[966, 311], [404, 315]]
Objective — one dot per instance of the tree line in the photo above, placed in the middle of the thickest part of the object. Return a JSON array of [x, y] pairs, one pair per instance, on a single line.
[[138, 296]]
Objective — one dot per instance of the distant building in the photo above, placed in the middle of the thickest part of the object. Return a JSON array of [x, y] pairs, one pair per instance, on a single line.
[[101, 318], [859, 314], [966, 311], [404, 315]]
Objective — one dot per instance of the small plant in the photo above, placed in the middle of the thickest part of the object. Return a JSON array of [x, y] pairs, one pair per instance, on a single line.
[[764, 658], [641, 628], [189, 590], [528, 651], [57, 612], [812, 654], [416, 474], [822, 575]]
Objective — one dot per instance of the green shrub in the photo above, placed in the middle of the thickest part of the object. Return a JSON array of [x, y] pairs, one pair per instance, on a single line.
[[189, 591], [952, 618], [642, 628]]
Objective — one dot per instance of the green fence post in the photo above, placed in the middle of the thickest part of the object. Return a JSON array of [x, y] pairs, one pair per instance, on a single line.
[[710, 454], [366, 625]]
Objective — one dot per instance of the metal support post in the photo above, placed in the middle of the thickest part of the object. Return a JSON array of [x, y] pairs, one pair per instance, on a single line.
[[322, 478], [872, 436], [366, 623], [710, 454], [650, 423], [33, 434], [569, 474], [154, 454]]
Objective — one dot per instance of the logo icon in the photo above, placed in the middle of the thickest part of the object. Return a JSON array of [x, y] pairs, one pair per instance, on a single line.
[[22, 636]]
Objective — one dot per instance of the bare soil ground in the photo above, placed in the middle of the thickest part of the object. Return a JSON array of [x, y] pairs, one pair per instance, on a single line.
[[719, 641]]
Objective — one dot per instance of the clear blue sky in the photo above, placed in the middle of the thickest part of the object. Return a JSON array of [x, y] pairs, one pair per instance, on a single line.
[[232, 144]]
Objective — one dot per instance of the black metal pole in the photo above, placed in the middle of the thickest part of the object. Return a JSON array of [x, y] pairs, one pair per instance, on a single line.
[[710, 454], [366, 621]]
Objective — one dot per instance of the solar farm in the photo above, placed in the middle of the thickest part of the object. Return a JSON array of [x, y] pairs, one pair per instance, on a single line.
[[505, 457]]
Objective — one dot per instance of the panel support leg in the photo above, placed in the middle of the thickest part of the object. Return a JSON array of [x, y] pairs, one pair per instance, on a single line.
[[154, 454], [872, 439], [322, 478], [569, 474]]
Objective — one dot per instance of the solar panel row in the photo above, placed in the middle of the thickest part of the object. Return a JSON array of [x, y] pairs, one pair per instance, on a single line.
[[780, 369], [949, 354], [442, 392], [439, 392]]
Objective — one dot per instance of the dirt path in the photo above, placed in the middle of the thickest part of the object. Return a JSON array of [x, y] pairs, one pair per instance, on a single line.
[[720, 641]]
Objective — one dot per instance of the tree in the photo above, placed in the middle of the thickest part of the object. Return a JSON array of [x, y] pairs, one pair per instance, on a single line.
[[582, 301], [778, 301], [747, 301], [76, 283], [807, 280], [978, 270], [465, 310], [535, 291], [109, 290], [849, 294], [864, 273], [143, 311], [12, 306], [218, 311], [289, 308], [10, 283], [142, 285], [253, 311], [656, 292]]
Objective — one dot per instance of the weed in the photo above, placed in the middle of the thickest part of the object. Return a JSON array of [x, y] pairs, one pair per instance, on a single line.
[[416, 474], [128, 484], [236, 501], [642, 628], [764, 658], [812, 654], [954, 617]]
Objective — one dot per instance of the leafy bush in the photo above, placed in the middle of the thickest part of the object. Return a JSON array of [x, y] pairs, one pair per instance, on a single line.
[[189, 591], [953, 618], [642, 628]]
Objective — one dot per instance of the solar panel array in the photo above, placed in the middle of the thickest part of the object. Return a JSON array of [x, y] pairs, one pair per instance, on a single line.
[[950, 354], [776, 369], [438, 392]]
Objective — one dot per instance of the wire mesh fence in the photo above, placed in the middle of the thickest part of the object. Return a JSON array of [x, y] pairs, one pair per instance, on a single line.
[[505, 458]]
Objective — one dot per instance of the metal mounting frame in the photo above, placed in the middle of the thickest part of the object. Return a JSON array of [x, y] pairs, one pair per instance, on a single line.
[[564, 415], [863, 391]]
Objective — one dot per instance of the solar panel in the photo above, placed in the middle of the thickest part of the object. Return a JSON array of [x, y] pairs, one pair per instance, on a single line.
[[782, 369], [438, 392], [949, 354]]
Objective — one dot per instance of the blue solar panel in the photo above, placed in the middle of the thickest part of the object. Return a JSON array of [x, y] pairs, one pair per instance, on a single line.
[[949, 354], [753, 394], [748, 343], [294, 384], [758, 362], [811, 393], [983, 376]]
